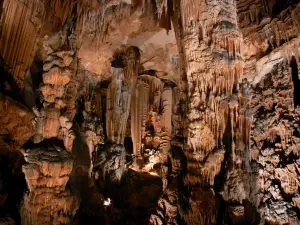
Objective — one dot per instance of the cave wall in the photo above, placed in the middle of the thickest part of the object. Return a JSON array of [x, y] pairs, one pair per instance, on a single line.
[[198, 99]]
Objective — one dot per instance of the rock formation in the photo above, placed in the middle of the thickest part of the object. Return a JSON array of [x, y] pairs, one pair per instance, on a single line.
[[188, 107], [58, 93], [49, 200]]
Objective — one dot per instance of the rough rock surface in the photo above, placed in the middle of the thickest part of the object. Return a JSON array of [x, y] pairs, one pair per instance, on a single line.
[[16, 124], [274, 143], [48, 200], [172, 111]]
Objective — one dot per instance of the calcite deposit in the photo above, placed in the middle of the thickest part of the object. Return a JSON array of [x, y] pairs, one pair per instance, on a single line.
[[48, 200], [149, 112]]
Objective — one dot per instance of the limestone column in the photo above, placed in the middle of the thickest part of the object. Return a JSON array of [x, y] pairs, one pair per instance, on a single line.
[[49, 200], [210, 41]]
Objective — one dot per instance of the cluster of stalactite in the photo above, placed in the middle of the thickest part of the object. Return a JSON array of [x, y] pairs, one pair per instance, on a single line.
[[20, 24], [48, 200], [219, 119], [156, 129], [274, 134], [95, 19], [151, 119], [258, 22], [141, 106], [109, 156], [275, 138], [223, 155], [145, 104], [58, 94]]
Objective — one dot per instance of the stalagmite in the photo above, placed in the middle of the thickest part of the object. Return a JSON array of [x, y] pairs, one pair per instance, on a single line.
[[57, 96], [49, 200]]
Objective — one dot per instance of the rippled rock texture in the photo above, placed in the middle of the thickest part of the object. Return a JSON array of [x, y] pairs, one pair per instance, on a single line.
[[49, 200], [149, 112]]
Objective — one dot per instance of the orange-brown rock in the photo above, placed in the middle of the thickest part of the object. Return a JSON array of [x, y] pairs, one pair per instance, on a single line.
[[49, 199], [197, 101], [16, 123], [21, 22]]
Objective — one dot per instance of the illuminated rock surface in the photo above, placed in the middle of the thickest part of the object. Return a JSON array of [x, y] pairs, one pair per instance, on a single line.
[[149, 112]]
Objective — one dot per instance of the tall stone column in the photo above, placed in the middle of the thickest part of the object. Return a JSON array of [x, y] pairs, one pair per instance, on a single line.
[[109, 159], [58, 94], [218, 117], [124, 77], [49, 199]]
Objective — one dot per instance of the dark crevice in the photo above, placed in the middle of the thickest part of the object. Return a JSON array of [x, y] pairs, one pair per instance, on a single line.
[[80, 107], [296, 82], [220, 179], [12, 186], [7, 79], [45, 143], [286, 197], [128, 145], [148, 72], [103, 106], [280, 5]]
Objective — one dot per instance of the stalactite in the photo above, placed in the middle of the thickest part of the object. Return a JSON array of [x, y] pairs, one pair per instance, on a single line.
[[20, 26], [119, 94], [139, 114], [116, 100], [213, 166], [61, 9], [166, 118]]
